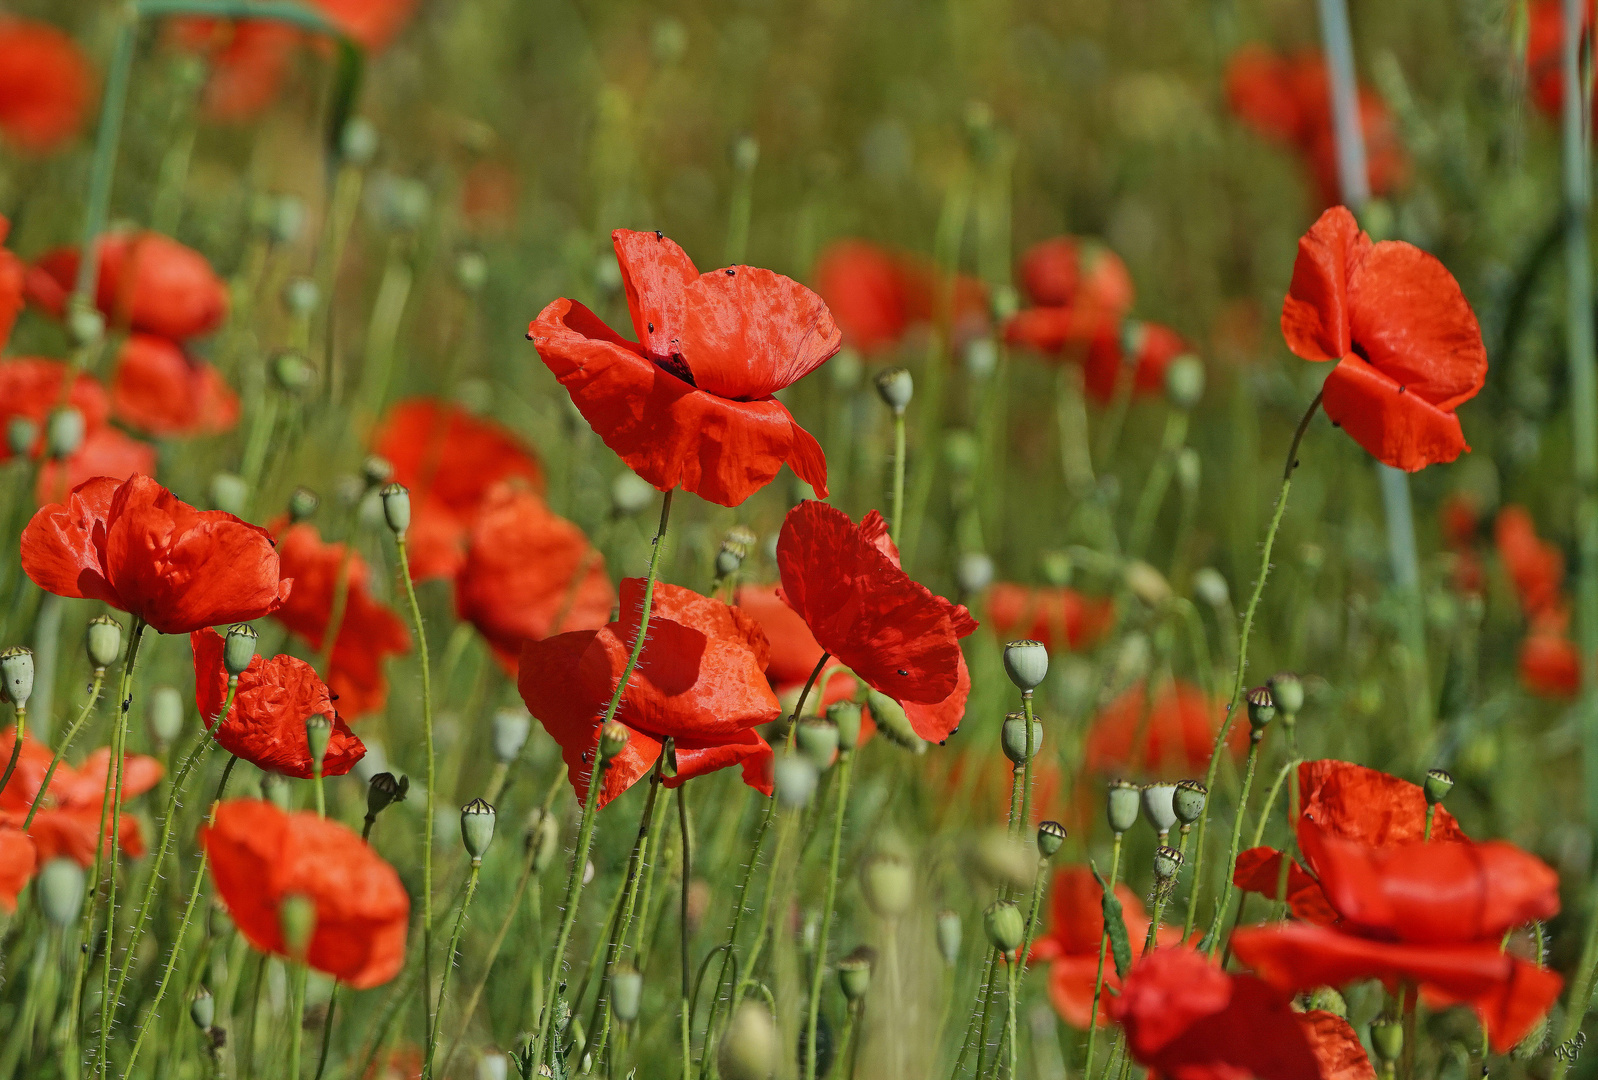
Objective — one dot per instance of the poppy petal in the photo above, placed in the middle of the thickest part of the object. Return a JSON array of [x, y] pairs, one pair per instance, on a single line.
[[747, 332], [1258, 871], [1315, 315], [61, 545], [654, 271], [1398, 428]]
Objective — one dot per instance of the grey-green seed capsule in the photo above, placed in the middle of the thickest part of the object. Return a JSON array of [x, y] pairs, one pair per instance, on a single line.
[[1027, 664], [103, 641], [16, 675], [1005, 924], [1013, 737], [397, 508], [60, 890], [477, 828], [1122, 803], [238, 648], [950, 931]]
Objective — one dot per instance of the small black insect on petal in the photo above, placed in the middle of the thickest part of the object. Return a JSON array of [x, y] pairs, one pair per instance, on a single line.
[[903, 673], [651, 327], [1402, 388], [730, 271], [659, 235]]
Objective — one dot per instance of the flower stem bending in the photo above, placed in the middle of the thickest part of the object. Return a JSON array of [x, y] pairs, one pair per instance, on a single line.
[[1212, 940]]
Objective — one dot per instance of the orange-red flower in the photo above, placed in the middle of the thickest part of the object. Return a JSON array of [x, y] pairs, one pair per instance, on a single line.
[[1078, 288], [1550, 663], [12, 273], [260, 855], [160, 391], [68, 819], [45, 85], [266, 724], [1536, 567], [845, 581], [449, 459], [1545, 36], [1187, 1019], [17, 864], [106, 452], [147, 282], [31, 387], [1061, 618], [135, 546], [690, 403], [248, 60], [700, 681], [1146, 348], [373, 24], [529, 573], [866, 289], [1172, 737], [1407, 346]]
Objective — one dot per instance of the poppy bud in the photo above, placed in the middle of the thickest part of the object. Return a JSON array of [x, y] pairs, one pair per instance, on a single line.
[[630, 493], [750, 1047], [888, 881], [1189, 470], [21, 434], [895, 387], [794, 777], [1439, 782], [1325, 999], [202, 1009], [302, 504], [238, 648], [950, 932], [292, 372], [103, 641], [477, 828], [85, 325], [16, 675], [981, 356], [1027, 663], [1013, 737], [1287, 691], [612, 739], [357, 143], [318, 730], [845, 717], [1387, 1039], [1122, 805], [383, 790], [471, 271], [734, 549], [854, 973], [296, 918], [300, 296], [974, 571], [1051, 834], [164, 715], [626, 992], [63, 433], [1167, 861], [1261, 709], [1005, 924], [60, 891], [1147, 583], [542, 838], [1184, 381], [1188, 800], [846, 368], [400, 202], [892, 721], [1210, 587], [745, 153], [229, 493], [818, 741], [397, 508], [1159, 806]]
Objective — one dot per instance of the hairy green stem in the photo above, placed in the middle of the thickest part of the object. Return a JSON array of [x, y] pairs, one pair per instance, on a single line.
[[845, 766], [449, 965], [66, 741], [1104, 946], [1213, 938]]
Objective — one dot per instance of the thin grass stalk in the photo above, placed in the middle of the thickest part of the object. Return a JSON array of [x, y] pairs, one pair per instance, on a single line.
[[1104, 948], [845, 767]]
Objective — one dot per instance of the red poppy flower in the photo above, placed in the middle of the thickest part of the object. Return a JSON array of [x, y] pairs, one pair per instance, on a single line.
[[260, 856], [45, 85], [1550, 664], [248, 60], [17, 863], [1258, 871], [369, 632], [69, 814], [12, 272], [866, 290], [31, 387], [1187, 1019], [266, 724], [1536, 567], [1061, 618], [1152, 348], [106, 452], [529, 573], [373, 24], [147, 282], [161, 392], [1545, 36], [690, 404], [1070, 945], [700, 681], [135, 546], [1407, 346], [845, 581], [449, 459], [1173, 737], [1078, 289]]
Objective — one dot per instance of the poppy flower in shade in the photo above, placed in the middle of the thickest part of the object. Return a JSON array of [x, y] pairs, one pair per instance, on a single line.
[[134, 545], [248, 60], [700, 680], [690, 403], [1187, 1019], [160, 391], [106, 452], [1172, 737], [529, 573], [899, 638], [1407, 346], [1258, 871], [266, 724], [867, 291], [1146, 348], [147, 282], [369, 632], [1550, 664], [1070, 945], [68, 819], [45, 85], [449, 459], [1061, 618], [1536, 567], [17, 864], [260, 856], [12, 272]]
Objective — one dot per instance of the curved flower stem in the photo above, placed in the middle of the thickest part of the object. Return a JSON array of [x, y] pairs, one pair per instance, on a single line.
[[687, 968], [17, 733], [740, 907], [1104, 946], [845, 767], [66, 742], [1242, 659], [327, 1028], [996, 957], [1212, 940], [449, 965], [1039, 884]]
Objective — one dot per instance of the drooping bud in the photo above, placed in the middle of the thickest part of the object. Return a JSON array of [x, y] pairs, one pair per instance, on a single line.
[[543, 837], [888, 881], [21, 433], [951, 930], [1051, 835], [477, 828], [16, 675], [818, 741], [1159, 806], [630, 493], [845, 716], [1439, 782], [376, 471], [1287, 691], [895, 387], [511, 729], [296, 918], [750, 1047], [1121, 805], [64, 432], [1167, 861], [292, 372], [854, 972], [103, 641], [318, 730], [1027, 664], [164, 715], [238, 648], [1261, 710], [60, 890], [794, 776], [1005, 924], [383, 790], [1188, 801], [302, 504], [229, 493], [1013, 737], [202, 1009], [612, 740], [626, 992], [1184, 381]]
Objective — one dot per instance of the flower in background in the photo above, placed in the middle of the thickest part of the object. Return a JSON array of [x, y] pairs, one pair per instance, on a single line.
[[248, 59], [106, 452], [1406, 343], [261, 855], [147, 282], [1460, 519], [1078, 289], [794, 655], [17, 864], [12, 273], [159, 390], [1059, 617], [700, 681], [68, 820], [45, 85], [134, 545], [1134, 350], [1545, 37], [373, 24], [690, 403], [1171, 737], [1550, 664], [877, 295]]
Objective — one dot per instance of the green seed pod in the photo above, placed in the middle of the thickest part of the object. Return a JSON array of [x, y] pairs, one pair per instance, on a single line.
[[494, 1065], [202, 1009], [1437, 786], [60, 891], [402, 203], [794, 776], [1326, 999], [845, 369], [376, 470], [511, 729], [630, 493], [275, 790], [1005, 924], [1167, 861], [854, 973], [1184, 381], [1387, 1039], [16, 675], [845, 716], [300, 296], [21, 434], [238, 648], [1287, 691], [1051, 835], [397, 508], [626, 992], [612, 739], [477, 828], [1189, 470], [981, 356], [818, 741], [962, 452], [895, 387], [292, 372], [1159, 806], [103, 641], [1188, 801], [543, 837], [229, 493], [64, 432], [1121, 805], [888, 881], [163, 715], [750, 1048], [1027, 664], [384, 789], [302, 504], [318, 730], [951, 930], [296, 918], [1004, 302], [892, 722], [357, 143], [1013, 737]]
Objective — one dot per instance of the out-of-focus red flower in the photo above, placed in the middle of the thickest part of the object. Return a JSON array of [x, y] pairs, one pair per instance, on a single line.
[[17, 864], [248, 61], [134, 545], [1536, 567], [1172, 737], [160, 391], [700, 680], [373, 24], [1146, 348], [260, 855], [1187, 1019], [147, 282], [866, 290], [690, 403], [45, 85], [1258, 871], [1078, 288], [1407, 346], [529, 573], [1070, 945], [106, 452], [845, 581], [31, 387], [1545, 36], [1061, 618], [69, 813], [1460, 519], [266, 725], [403, 1063], [12, 273], [1550, 664], [449, 459], [489, 195]]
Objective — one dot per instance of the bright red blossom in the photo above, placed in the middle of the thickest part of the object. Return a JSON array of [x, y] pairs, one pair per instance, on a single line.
[[1138, 352], [1061, 618], [12, 272], [1536, 567], [106, 452], [877, 295], [160, 391], [147, 282], [17, 864], [248, 61], [69, 814], [1079, 289], [31, 387], [45, 85]]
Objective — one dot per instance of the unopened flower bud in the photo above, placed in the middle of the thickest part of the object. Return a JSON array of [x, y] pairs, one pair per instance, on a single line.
[[981, 356], [750, 1048], [1261, 709], [302, 504], [1437, 786], [974, 571], [103, 641], [16, 675], [734, 549], [357, 143], [274, 789], [888, 881], [1013, 737], [630, 493], [60, 891], [238, 648], [745, 153], [794, 776], [64, 432], [854, 973], [612, 739], [1188, 800], [1184, 381], [626, 992], [477, 828], [846, 368], [818, 741], [1122, 802], [494, 1065], [1005, 924], [1387, 1039], [397, 508], [318, 730], [1003, 302], [895, 387], [229, 493], [296, 918], [384, 789], [202, 1009], [164, 715], [1287, 692], [511, 729], [950, 930], [300, 296], [1167, 861], [543, 837], [1159, 806], [1051, 835], [292, 372], [21, 433], [1027, 663], [845, 716]]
